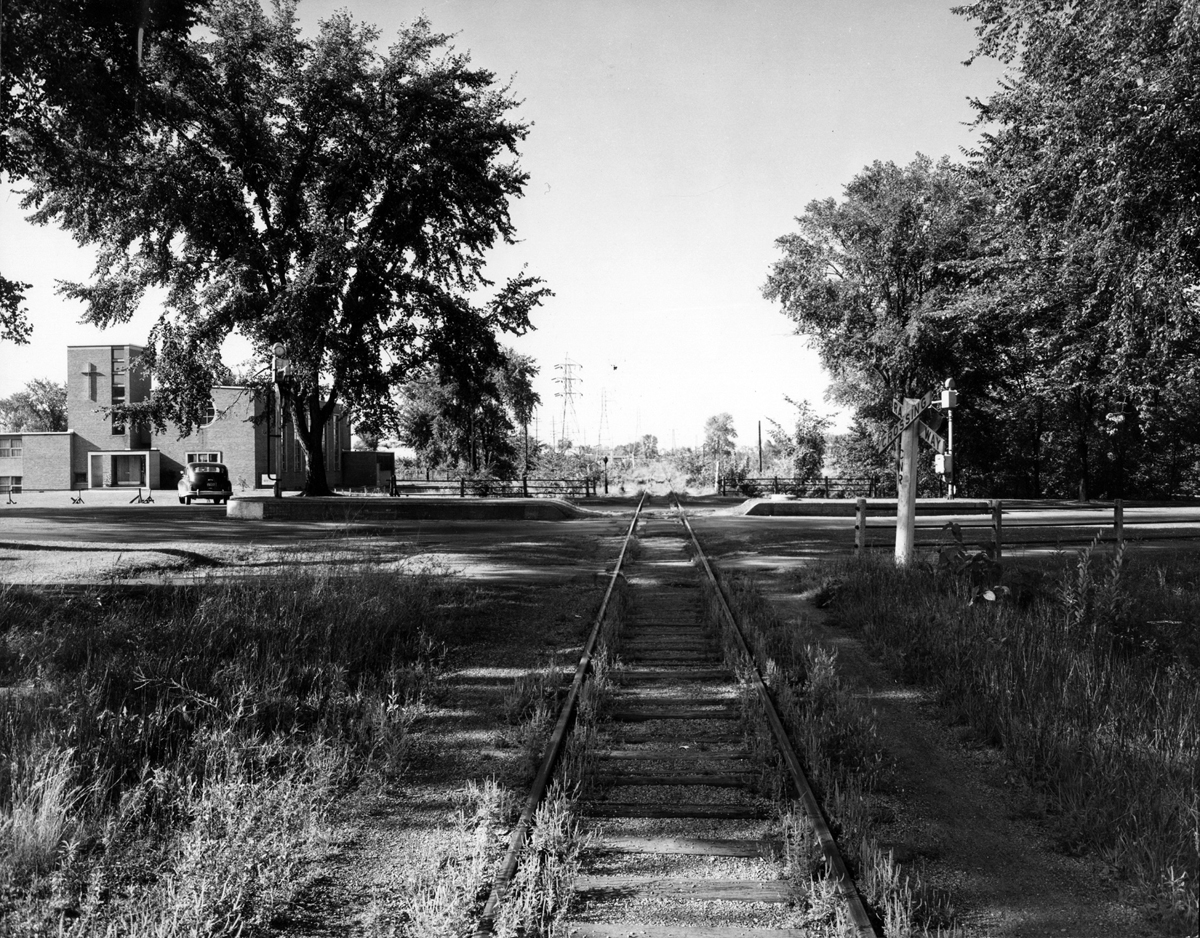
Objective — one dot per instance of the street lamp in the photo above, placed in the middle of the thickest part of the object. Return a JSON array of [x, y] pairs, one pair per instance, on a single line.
[[279, 365]]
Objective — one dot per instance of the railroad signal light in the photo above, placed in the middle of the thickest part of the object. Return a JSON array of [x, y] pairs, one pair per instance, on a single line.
[[949, 399], [943, 463]]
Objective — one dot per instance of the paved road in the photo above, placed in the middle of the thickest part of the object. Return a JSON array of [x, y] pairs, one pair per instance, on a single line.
[[52, 542], [114, 522]]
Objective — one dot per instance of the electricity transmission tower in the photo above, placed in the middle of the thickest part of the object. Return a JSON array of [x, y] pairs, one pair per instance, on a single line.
[[568, 379], [604, 432]]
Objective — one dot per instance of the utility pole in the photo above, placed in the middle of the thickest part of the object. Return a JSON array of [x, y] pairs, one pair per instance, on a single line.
[[760, 447]]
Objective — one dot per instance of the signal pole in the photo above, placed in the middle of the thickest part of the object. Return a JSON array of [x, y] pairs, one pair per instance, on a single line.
[[911, 429]]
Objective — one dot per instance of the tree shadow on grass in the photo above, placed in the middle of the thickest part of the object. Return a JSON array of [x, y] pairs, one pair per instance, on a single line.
[[201, 560]]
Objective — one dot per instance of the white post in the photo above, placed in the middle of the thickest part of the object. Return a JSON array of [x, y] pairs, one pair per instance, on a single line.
[[950, 450], [906, 487]]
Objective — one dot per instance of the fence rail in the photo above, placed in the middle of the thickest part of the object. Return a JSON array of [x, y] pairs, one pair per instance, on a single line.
[[492, 488], [824, 487], [1108, 524]]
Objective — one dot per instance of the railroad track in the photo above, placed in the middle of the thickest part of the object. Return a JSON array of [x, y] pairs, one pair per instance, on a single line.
[[681, 841]]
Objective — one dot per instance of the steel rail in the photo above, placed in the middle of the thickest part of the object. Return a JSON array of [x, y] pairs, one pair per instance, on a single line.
[[844, 882], [500, 886]]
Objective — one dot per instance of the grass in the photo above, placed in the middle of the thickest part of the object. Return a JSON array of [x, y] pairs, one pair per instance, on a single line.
[[448, 898], [1086, 676], [837, 741], [171, 758]]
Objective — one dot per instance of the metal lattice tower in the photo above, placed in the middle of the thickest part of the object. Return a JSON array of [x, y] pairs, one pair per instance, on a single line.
[[602, 436], [570, 419]]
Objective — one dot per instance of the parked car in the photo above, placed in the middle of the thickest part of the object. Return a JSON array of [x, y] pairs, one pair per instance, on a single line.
[[204, 480]]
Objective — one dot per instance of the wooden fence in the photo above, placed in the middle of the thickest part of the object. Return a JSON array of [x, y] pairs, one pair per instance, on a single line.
[[493, 488], [825, 487]]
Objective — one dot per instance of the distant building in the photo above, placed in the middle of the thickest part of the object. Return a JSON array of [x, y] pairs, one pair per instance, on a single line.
[[98, 452]]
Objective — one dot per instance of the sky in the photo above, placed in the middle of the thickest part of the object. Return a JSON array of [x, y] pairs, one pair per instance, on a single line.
[[672, 142]]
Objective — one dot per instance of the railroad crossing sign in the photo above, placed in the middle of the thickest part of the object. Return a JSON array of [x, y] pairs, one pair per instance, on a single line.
[[931, 436], [927, 433]]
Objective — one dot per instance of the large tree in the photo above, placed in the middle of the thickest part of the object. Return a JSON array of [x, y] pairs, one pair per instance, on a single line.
[[71, 78], [40, 408], [799, 450], [872, 280], [470, 421], [881, 283], [317, 194], [1090, 149]]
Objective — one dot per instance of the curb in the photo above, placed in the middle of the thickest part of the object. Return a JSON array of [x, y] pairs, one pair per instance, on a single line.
[[352, 510]]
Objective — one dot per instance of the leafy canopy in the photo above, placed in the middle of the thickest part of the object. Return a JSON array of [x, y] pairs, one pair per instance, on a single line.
[[870, 280], [70, 80], [314, 193], [470, 424], [799, 452], [40, 408], [720, 435]]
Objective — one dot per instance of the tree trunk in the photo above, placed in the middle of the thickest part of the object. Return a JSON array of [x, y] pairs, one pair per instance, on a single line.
[[309, 419], [1084, 410]]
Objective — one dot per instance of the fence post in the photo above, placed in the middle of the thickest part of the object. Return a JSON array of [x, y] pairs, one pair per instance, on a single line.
[[525, 485], [860, 526], [1118, 520], [827, 486], [997, 525], [462, 487], [775, 485]]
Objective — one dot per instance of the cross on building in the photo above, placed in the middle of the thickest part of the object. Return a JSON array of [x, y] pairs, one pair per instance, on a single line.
[[92, 374]]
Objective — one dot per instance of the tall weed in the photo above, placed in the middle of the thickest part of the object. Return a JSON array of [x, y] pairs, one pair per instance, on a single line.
[[1098, 713], [838, 742], [170, 756]]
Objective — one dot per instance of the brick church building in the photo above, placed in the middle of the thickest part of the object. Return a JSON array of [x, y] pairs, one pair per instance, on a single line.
[[97, 452]]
